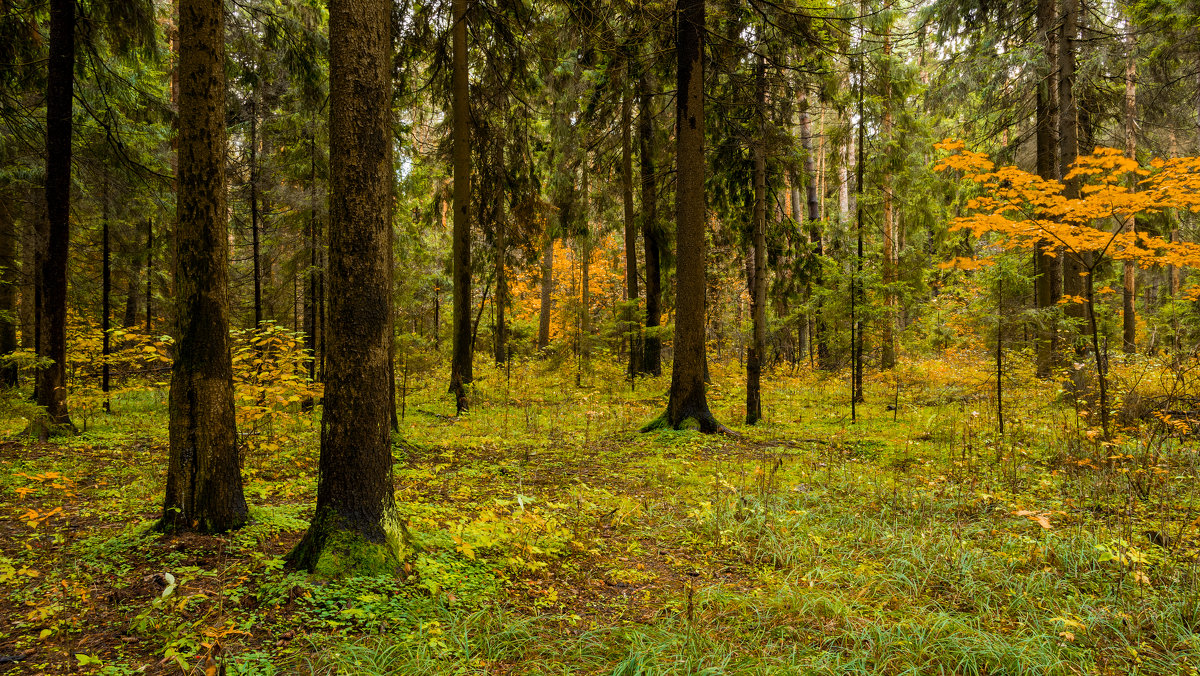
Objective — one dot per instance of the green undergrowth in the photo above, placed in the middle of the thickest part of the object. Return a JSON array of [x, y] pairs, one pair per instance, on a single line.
[[544, 534]]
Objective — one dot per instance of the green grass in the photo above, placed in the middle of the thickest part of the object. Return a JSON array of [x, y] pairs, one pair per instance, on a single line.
[[549, 537]]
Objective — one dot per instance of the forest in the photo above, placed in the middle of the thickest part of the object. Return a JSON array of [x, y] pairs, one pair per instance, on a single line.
[[626, 337]]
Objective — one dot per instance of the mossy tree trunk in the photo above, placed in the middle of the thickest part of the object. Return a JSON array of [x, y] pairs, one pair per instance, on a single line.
[[204, 483], [688, 398], [356, 511]]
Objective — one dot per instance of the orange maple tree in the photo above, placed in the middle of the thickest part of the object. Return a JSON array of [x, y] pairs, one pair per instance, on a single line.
[[1017, 209]]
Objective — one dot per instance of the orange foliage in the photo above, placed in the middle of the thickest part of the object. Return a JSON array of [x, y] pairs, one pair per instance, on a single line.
[[606, 286], [1019, 208]]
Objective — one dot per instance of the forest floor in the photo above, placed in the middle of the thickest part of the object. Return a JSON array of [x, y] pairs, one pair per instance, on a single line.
[[549, 537]]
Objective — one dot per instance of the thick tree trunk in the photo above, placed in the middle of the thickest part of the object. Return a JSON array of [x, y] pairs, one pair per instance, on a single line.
[[757, 279], [1047, 265], [60, 82], [688, 399], [629, 316], [547, 294], [204, 483], [1129, 278], [460, 366], [9, 281], [355, 522], [652, 344]]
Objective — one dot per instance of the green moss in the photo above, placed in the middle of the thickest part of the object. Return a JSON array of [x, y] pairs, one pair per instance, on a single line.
[[330, 551], [348, 554], [659, 423]]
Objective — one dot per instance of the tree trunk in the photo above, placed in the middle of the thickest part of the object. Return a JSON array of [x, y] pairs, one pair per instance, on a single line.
[[888, 358], [585, 267], [105, 296], [355, 522], [501, 249], [857, 295], [60, 82], [652, 343], [256, 253], [757, 281], [1129, 290], [460, 367], [688, 399], [816, 278], [629, 316], [9, 282], [33, 225], [1075, 264], [204, 483], [1047, 265], [313, 243], [149, 271], [129, 320], [547, 294]]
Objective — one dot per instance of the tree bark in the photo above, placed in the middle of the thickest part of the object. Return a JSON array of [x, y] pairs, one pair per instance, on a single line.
[[1129, 277], [132, 291], [105, 296], [888, 358], [32, 226], [1047, 264], [547, 294], [688, 399], [149, 272], [60, 82], [355, 521], [652, 343], [1076, 264], [816, 278], [204, 483], [585, 267], [757, 281], [857, 295], [256, 253], [313, 244], [629, 316], [501, 253], [9, 282], [460, 367]]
